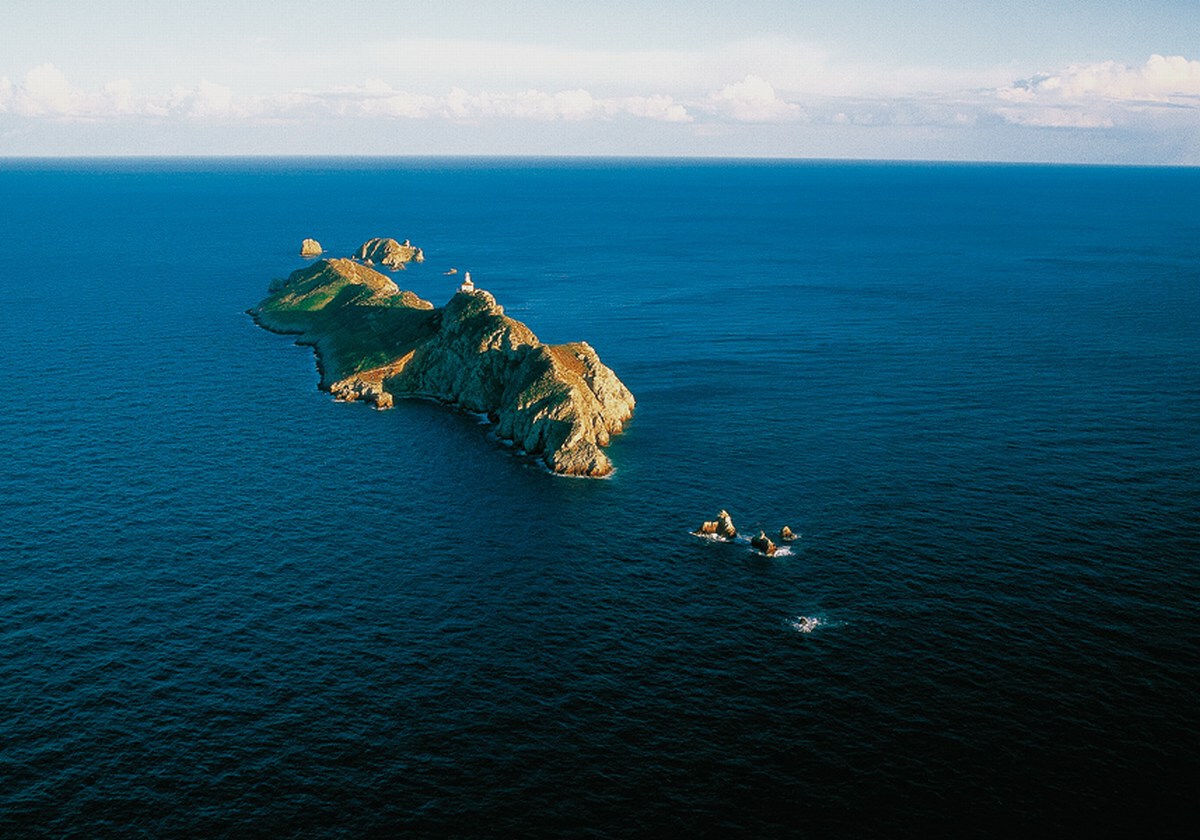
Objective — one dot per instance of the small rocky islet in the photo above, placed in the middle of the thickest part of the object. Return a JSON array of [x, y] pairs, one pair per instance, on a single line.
[[722, 528], [376, 342], [389, 253]]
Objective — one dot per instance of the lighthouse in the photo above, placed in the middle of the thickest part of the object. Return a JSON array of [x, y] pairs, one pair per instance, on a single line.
[[467, 285]]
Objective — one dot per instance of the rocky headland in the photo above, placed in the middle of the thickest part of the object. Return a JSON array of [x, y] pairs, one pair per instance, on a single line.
[[376, 342]]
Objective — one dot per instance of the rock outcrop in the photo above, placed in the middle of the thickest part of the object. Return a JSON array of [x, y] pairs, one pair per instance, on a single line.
[[785, 534], [721, 527], [389, 252], [375, 342], [763, 543], [311, 248]]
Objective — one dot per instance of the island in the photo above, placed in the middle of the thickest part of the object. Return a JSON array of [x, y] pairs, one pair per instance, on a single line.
[[376, 342], [389, 252]]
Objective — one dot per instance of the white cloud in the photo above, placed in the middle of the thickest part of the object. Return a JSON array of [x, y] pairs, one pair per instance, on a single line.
[[528, 104], [1160, 79], [1040, 117], [120, 96], [567, 105], [657, 107], [1165, 91], [46, 92], [1101, 95], [751, 100], [375, 98], [385, 102], [207, 101]]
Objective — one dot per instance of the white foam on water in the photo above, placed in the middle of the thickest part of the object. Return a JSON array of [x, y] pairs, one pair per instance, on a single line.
[[540, 464], [804, 623], [743, 539], [780, 551]]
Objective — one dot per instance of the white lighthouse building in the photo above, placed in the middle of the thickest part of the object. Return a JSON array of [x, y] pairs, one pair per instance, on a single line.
[[467, 285]]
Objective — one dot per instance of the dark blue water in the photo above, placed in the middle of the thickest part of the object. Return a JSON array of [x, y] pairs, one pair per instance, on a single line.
[[230, 606]]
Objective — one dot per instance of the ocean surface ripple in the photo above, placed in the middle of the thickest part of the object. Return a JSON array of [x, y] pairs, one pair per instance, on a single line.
[[230, 606]]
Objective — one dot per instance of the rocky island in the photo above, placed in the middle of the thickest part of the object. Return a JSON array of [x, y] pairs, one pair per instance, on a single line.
[[389, 252], [376, 342]]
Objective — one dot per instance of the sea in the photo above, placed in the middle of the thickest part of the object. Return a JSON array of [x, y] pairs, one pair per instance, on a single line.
[[232, 607]]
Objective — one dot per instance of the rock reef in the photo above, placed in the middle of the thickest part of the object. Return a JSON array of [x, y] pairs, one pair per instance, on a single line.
[[376, 342], [722, 528], [389, 252]]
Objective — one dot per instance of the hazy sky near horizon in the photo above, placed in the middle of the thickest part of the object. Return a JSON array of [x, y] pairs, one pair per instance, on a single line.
[[1096, 81]]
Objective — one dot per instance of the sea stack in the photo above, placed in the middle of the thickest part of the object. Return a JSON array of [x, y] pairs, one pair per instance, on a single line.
[[763, 543], [785, 534], [721, 527], [376, 342], [311, 248]]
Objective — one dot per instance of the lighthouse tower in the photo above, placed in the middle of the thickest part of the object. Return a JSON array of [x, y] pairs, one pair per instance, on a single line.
[[467, 285]]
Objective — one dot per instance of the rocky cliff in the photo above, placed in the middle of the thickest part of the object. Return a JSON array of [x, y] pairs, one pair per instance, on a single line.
[[376, 342]]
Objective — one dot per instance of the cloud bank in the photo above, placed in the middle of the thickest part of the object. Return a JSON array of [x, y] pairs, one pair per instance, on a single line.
[[47, 94], [1102, 95], [1160, 99]]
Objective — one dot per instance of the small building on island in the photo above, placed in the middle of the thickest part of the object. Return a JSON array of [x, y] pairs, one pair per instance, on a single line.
[[467, 285]]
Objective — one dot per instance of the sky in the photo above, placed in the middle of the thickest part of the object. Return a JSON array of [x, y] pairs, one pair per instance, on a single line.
[[1101, 81]]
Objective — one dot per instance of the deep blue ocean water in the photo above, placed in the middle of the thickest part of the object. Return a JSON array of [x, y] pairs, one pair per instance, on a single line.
[[230, 606]]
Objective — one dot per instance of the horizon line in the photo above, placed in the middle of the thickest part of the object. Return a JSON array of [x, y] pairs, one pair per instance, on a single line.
[[285, 156]]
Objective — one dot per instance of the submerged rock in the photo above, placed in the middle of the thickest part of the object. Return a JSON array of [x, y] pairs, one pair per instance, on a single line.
[[311, 248], [763, 543], [375, 342]]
